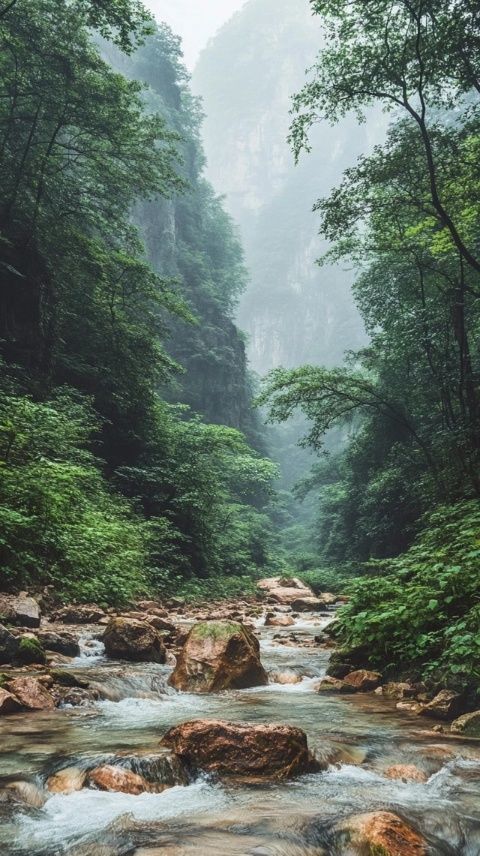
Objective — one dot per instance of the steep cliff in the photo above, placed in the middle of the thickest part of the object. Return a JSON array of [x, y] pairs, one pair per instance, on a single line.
[[191, 239], [293, 311]]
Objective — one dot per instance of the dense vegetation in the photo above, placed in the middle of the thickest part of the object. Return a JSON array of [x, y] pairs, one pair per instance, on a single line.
[[109, 483], [408, 217]]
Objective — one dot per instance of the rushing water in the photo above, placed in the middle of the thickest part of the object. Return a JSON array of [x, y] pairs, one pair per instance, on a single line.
[[357, 737]]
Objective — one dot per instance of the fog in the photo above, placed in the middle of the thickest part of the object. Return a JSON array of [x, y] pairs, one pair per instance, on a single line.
[[196, 21]]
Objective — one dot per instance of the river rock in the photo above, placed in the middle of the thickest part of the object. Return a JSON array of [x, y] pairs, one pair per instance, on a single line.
[[160, 623], [279, 621], [67, 781], [446, 705], [30, 650], [241, 749], [62, 642], [26, 793], [379, 832], [22, 610], [218, 656], [285, 678], [285, 590], [110, 778], [128, 639], [468, 724], [8, 703], [307, 604], [74, 614], [334, 685], [398, 690], [8, 645], [406, 773], [31, 694], [363, 681]]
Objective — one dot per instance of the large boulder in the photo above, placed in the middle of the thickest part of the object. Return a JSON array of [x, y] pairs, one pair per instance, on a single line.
[[8, 645], [307, 604], [129, 639], [378, 832], [59, 641], [446, 705], [21, 610], [285, 590], [30, 650], [279, 621], [218, 655], [8, 703], [468, 724], [334, 685], [241, 749], [86, 614], [31, 693], [363, 681]]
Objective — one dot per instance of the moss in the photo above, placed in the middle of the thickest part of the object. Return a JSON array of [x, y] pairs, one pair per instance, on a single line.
[[3, 679], [68, 679], [216, 629], [30, 651], [378, 850]]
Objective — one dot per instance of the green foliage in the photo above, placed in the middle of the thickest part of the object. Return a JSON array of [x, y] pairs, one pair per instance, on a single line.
[[420, 613], [60, 524], [334, 579]]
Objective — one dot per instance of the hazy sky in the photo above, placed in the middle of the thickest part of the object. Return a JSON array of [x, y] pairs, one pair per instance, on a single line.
[[194, 20]]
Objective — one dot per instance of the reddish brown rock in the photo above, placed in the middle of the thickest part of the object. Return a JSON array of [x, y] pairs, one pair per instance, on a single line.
[[279, 621], [110, 778], [406, 773], [160, 623], [363, 681], [218, 656], [241, 749], [8, 703], [382, 833], [31, 694], [128, 639]]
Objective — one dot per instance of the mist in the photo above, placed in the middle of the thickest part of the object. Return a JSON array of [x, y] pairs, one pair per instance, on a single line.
[[195, 22]]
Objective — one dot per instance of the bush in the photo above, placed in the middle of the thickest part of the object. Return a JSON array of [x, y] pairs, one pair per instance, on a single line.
[[420, 613]]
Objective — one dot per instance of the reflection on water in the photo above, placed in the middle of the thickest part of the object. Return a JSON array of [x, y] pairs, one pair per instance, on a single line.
[[356, 738]]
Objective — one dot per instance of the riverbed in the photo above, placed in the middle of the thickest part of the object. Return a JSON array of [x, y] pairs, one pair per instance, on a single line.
[[356, 737]]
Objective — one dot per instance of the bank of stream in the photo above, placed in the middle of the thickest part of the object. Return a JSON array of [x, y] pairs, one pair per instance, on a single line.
[[358, 737]]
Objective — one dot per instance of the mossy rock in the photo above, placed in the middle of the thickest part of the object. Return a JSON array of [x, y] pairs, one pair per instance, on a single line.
[[68, 679], [30, 651], [216, 629]]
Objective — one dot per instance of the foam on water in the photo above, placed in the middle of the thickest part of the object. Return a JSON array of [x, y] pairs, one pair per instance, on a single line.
[[68, 817], [91, 651]]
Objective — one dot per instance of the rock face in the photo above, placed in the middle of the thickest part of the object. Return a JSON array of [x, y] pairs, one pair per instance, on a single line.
[[241, 749], [129, 639], [363, 681], [218, 655], [8, 645], [8, 703], [31, 694], [285, 590], [468, 724], [380, 832], [446, 705], [111, 778]]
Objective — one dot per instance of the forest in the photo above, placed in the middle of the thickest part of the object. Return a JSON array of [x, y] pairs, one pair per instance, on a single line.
[[239, 428], [133, 455]]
